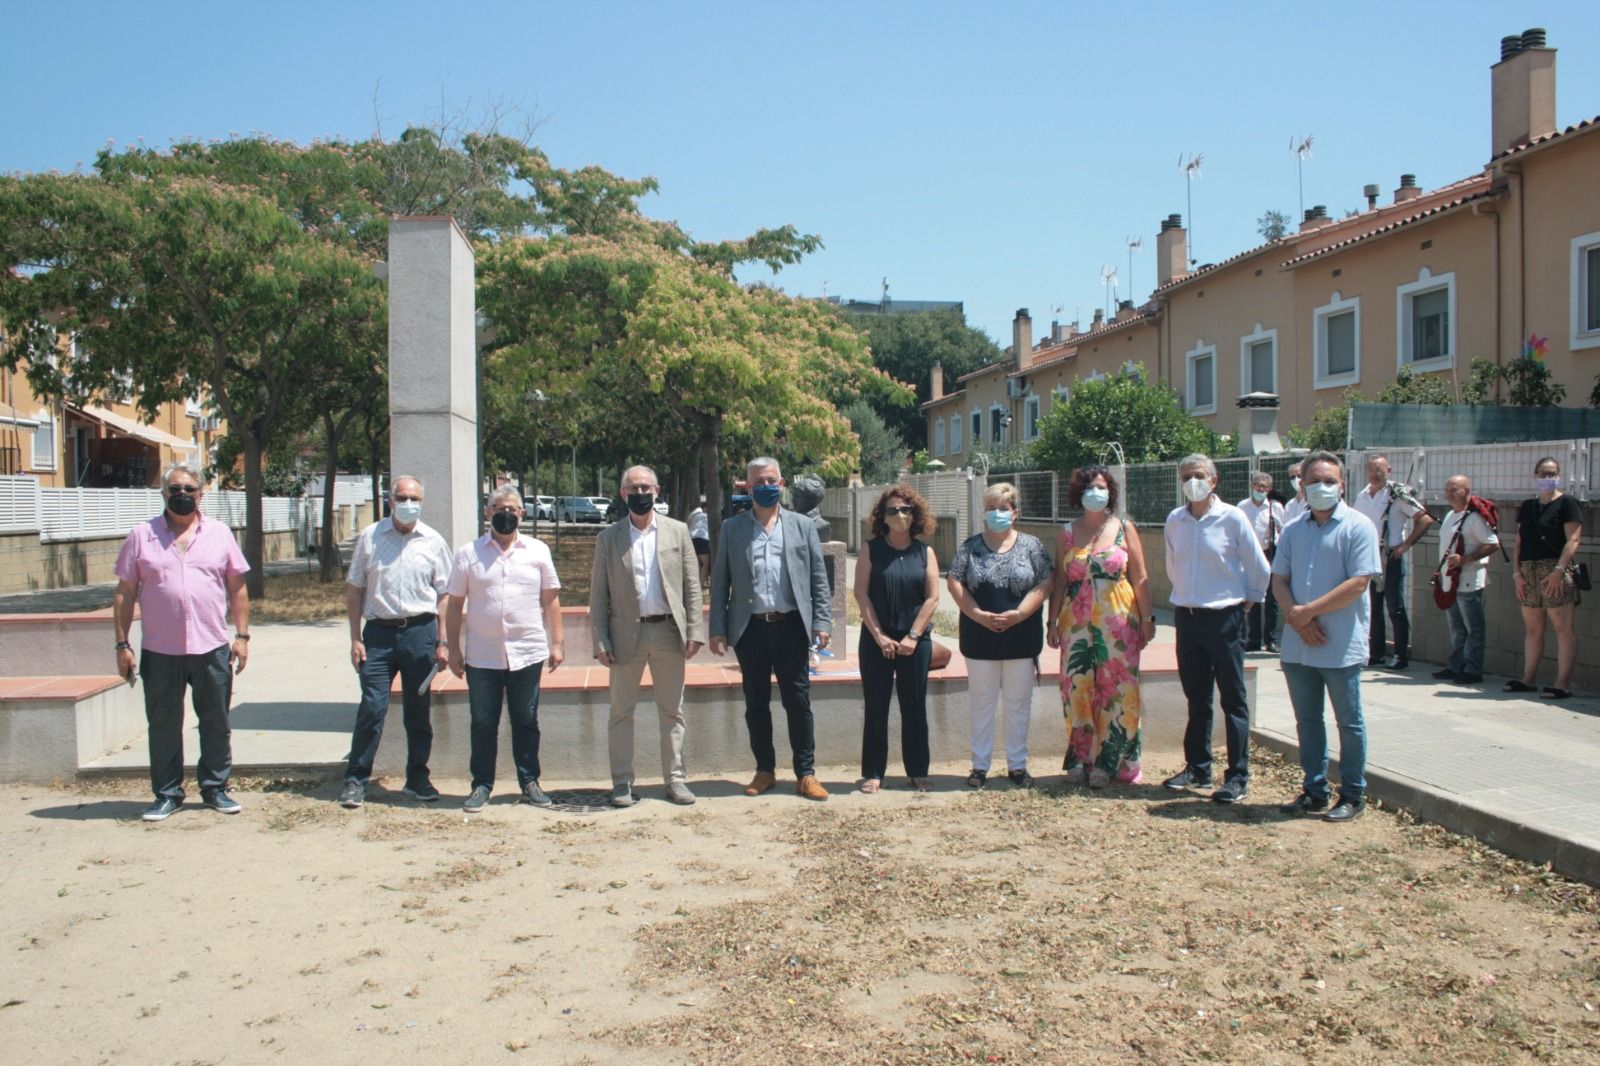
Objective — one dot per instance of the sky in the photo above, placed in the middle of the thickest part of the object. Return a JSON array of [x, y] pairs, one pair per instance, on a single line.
[[1001, 154]]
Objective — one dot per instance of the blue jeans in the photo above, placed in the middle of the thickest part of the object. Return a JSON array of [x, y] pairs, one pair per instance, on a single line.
[[390, 651], [1343, 687], [1466, 633], [488, 689]]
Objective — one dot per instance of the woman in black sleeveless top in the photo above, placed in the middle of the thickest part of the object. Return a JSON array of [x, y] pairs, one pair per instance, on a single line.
[[897, 589]]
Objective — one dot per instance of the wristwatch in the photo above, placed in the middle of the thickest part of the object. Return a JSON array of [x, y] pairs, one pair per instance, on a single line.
[[123, 645], [441, 644], [242, 636]]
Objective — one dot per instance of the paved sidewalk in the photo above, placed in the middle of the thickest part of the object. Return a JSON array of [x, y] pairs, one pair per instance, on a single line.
[[98, 597]]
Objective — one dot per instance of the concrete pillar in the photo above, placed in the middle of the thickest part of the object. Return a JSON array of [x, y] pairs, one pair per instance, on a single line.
[[433, 370]]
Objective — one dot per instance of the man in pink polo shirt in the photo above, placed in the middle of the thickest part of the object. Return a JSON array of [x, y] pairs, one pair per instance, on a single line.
[[505, 585], [186, 573]]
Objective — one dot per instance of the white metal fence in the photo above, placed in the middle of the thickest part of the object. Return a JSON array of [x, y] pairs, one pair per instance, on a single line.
[[1498, 471]]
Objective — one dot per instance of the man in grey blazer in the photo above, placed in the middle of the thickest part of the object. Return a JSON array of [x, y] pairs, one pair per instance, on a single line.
[[769, 599], [645, 610]]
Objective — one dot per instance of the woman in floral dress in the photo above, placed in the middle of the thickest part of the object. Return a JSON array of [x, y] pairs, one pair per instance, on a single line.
[[1100, 618]]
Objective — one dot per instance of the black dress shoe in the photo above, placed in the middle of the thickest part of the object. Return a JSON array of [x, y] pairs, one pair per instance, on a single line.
[[1397, 663], [1469, 679], [1446, 674], [1232, 791], [1304, 804], [1271, 647], [1346, 810], [162, 809], [1186, 778]]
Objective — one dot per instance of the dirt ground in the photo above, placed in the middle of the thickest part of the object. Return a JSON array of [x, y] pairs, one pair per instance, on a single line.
[[995, 927]]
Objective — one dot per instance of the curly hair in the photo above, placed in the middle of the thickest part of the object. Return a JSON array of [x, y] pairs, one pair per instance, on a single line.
[[1081, 479], [922, 521]]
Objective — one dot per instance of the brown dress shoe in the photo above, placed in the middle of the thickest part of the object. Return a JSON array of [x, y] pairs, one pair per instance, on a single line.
[[762, 782], [810, 788]]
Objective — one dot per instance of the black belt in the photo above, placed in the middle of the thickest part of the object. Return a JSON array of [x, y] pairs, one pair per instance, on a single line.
[[655, 618], [771, 616], [1209, 610], [403, 623]]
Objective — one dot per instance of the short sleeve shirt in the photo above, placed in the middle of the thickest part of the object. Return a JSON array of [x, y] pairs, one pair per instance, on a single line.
[[1475, 533], [1542, 527], [999, 581], [1374, 506], [1318, 558], [183, 595], [504, 627], [401, 574]]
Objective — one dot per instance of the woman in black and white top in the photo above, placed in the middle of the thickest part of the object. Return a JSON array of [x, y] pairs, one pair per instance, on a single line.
[[1549, 530]]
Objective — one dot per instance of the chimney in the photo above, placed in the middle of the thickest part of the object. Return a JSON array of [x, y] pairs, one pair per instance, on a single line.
[[1408, 189], [1124, 311], [1172, 250], [1371, 193], [1316, 218], [1099, 320], [1522, 91], [1258, 424], [1058, 332], [936, 381], [1022, 338]]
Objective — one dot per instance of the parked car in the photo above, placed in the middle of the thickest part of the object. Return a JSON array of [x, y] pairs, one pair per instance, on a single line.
[[546, 508], [578, 509]]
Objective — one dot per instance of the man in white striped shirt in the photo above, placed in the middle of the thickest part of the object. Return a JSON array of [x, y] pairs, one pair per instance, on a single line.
[[1217, 569]]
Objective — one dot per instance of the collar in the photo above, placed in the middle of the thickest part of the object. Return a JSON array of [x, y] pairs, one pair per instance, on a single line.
[[1211, 508], [635, 531]]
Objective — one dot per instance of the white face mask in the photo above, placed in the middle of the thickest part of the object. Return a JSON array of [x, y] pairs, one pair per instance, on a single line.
[[1096, 499], [1321, 496], [1196, 489], [406, 512], [1294, 483]]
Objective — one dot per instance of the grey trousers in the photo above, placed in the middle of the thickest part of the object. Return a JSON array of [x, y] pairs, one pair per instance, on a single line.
[[661, 648], [209, 678]]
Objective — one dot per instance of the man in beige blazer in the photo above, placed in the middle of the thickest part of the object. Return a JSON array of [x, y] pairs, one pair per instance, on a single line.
[[645, 610]]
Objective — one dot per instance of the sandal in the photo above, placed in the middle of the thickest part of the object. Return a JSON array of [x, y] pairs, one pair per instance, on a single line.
[[1552, 693], [870, 785], [1098, 778], [1516, 685], [1020, 778], [1078, 775], [921, 784], [977, 778]]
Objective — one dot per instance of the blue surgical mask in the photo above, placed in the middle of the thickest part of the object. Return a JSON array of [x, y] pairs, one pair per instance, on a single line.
[[997, 521], [766, 495], [1547, 484], [1322, 496], [1096, 499], [1258, 496], [406, 512]]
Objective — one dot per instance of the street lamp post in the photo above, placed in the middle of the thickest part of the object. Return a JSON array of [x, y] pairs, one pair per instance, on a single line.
[[536, 400]]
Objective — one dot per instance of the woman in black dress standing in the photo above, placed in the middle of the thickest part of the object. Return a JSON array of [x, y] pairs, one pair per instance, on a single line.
[[897, 589], [1549, 530]]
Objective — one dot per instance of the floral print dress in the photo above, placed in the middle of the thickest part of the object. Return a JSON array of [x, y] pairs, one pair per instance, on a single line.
[[1100, 645]]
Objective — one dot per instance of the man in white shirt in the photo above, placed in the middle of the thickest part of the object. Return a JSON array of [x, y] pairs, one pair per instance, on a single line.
[[394, 594], [1400, 521], [700, 535], [1216, 567], [1266, 517], [505, 585], [1297, 502], [645, 609], [1465, 543]]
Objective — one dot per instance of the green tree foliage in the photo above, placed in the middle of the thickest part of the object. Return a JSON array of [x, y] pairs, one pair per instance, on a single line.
[[906, 346], [1272, 225], [1523, 381], [1145, 418], [883, 452], [1329, 429], [1408, 387]]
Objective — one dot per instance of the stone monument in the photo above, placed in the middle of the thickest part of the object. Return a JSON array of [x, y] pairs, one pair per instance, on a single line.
[[805, 496]]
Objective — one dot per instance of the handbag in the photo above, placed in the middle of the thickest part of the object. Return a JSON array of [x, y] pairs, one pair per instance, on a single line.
[[1446, 583], [1580, 576]]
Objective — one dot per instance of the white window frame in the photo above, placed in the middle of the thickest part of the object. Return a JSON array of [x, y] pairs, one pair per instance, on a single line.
[[938, 436], [1247, 383], [1030, 416], [1201, 350], [1336, 305], [997, 413], [1404, 296], [1581, 338], [955, 434], [45, 426], [1060, 394]]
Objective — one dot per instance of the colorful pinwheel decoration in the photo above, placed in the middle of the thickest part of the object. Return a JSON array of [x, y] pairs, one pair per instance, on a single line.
[[1536, 347]]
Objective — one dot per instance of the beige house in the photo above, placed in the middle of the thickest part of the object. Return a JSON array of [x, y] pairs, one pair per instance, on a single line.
[[1427, 282]]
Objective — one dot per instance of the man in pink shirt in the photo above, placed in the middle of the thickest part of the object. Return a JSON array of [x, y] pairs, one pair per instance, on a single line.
[[186, 573], [505, 586]]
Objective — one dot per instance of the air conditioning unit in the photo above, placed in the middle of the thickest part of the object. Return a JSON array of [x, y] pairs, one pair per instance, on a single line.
[[1016, 388], [207, 423]]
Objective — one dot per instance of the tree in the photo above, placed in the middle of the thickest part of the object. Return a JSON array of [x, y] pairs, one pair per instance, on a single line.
[[1409, 387], [883, 452], [1329, 430], [1527, 382], [1272, 225], [1145, 418], [906, 346]]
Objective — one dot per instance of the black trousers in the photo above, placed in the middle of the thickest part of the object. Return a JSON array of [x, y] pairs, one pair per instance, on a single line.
[[1211, 655], [1390, 600], [905, 676], [209, 679], [1258, 636], [781, 647]]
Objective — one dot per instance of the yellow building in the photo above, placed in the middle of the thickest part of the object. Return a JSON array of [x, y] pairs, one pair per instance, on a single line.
[[1427, 282]]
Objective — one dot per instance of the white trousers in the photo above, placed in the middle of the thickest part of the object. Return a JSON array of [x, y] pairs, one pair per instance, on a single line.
[[1005, 685]]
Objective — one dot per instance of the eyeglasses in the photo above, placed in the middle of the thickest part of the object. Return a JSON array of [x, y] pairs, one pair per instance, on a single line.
[[899, 510], [182, 490]]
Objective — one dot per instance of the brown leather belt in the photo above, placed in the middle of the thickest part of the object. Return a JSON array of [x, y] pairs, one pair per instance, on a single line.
[[771, 616], [655, 618]]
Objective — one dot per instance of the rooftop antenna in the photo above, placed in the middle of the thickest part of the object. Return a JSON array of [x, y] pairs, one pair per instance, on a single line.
[[1108, 278], [1134, 244], [885, 298], [1300, 148], [824, 290], [1189, 167]]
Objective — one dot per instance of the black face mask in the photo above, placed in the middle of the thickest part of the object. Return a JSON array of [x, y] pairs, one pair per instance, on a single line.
[[182, 504], [641, 502], [504, 522]]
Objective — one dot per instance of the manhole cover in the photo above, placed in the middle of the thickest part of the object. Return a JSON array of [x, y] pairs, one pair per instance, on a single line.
[[582, 800]]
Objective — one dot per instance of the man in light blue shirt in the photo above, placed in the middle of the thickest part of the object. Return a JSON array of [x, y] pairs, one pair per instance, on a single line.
[[769, 577], [1217, 569], [1320, 575]]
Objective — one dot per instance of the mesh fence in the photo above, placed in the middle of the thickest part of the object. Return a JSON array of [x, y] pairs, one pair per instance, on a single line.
[[1380, 425], [1151, 492]]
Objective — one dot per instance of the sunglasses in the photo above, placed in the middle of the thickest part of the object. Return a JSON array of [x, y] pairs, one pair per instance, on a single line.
[[185, 490], [899, 510]]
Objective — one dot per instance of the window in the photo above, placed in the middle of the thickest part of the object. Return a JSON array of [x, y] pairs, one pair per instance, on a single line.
[[1201, 379], [997, 425], [44, 445], [1258, 361], [1030, 418], [938, 436], [1425, 322], [1585, 291], [955, 434], [1336, 340], [977, 426]]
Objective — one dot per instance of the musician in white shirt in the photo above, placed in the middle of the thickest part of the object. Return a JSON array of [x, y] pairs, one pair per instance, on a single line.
[[1267, 518]]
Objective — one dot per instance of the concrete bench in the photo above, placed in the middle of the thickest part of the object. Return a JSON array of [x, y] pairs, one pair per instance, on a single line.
[[50, 726]]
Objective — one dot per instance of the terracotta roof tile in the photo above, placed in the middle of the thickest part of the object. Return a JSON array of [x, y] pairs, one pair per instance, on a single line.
[[1540, 142], [1399, 223], [947, 396]]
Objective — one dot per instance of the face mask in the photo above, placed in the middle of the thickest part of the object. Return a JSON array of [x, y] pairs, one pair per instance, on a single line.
[[1196, 489], [1547, 484], [767, 495], [504, 522], [641, 502], [997, 521], [1258, 496], [406, 512], [900, 523], [1321, 496], [1294, 483], [182, 504], [1096, 499]]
